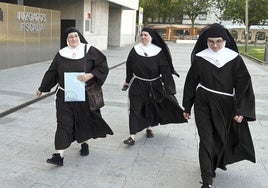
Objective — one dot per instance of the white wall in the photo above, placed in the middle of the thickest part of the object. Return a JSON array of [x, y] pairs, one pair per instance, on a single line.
[[98, 34], [128, 27], [110, 25], [131, 4], [114, 26]]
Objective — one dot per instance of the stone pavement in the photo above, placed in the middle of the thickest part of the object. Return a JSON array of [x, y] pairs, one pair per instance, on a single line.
[[169, 160]]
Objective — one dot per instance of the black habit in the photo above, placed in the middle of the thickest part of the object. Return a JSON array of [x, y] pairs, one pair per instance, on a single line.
[[151, 102], [222, 140], [75, 121]]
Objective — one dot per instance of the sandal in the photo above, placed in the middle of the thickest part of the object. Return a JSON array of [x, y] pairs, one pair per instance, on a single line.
[[206, 185], [129, 141], [149, 133]]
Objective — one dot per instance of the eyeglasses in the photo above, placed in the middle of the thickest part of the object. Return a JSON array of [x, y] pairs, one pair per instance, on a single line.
[[217, 42]]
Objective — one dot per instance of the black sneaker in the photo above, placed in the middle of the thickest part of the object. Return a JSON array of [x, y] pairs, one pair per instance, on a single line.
[[149, 133], [84, 149], [56, 159], [129, 141]]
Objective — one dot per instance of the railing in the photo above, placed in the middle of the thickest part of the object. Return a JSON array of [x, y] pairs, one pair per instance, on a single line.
[[23, 105]]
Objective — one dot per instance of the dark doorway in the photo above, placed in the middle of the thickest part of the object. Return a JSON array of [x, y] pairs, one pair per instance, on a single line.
[[64, 25], [10, 1]]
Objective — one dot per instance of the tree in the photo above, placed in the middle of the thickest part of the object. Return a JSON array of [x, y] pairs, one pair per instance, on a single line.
[[151, 9], [171, 9], [156, 9], [235, 10], [194, 8]]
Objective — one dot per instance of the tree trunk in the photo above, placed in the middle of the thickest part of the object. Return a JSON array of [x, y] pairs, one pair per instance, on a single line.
[[169, 32], [193, 31]]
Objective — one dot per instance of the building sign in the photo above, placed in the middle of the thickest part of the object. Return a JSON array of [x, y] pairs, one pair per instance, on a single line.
[[32, 21], [1, 15]]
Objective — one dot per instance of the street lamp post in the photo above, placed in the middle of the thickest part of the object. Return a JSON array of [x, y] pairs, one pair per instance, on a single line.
[[246, 23], [266, 50]]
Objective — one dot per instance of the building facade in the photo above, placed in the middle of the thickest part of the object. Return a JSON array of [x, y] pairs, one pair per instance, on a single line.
[[30, 30]]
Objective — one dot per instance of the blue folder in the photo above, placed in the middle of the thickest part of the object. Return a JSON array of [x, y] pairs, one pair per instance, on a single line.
[[74, 90]]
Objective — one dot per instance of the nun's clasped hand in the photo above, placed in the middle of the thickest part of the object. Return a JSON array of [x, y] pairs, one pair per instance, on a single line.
[[238, 119], [85, 77]]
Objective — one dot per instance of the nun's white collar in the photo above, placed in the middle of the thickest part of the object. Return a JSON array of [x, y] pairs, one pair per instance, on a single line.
[[219, 58], [74, 53], [148, 50]]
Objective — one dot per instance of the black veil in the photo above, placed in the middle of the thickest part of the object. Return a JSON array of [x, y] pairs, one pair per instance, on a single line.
[[213, 30], [158, 41]]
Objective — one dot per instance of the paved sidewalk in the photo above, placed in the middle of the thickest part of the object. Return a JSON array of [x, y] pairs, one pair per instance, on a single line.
[[169, 160]]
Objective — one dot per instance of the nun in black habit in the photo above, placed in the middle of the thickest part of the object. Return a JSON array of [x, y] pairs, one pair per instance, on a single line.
[[75, 120], [151, 85], [219, 86]]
